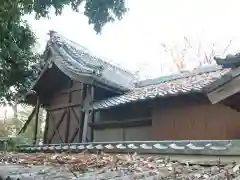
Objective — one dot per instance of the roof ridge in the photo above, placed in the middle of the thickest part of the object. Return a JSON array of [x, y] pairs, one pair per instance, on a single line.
[[180, 75], [54, 34]]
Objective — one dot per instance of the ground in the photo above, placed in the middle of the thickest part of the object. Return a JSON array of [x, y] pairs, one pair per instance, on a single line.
[[86, 166]]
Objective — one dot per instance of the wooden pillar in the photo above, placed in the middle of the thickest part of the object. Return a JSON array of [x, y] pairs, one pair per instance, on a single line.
[[92, 115], [45, 136], [88, 113], [68, 112], [85, 127], [36, 122], [82, 114], [68, 125]]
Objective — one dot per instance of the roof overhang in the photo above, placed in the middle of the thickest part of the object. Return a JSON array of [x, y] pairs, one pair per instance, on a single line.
[[230, 61], [29, 98], [53, 60], [224, 87]]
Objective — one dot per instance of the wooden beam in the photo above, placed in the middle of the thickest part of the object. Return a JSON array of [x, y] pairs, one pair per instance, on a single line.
[[68, 125], [230, 88], [74, 135], [36, 122], [28, 121], [66, 91], [63, 106], [145, 121], [68, 113], [82, 114], [88, 113], [45, 136], [92, 114], [85, 126]]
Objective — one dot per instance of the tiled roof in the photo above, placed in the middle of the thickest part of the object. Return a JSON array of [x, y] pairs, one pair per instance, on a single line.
[[77, 61], [229, 61], [181, 83]]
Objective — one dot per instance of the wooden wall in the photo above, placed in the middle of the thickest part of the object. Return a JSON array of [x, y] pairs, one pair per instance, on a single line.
[[125, 123], [126, 112], [176, 118], [184, 118], [64, 116], [137, 133]]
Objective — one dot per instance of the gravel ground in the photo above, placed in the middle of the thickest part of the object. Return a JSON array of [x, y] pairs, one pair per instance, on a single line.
[[87, 166]]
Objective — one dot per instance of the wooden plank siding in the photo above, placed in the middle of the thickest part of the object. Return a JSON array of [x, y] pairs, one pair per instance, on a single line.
[[125, 123], [185, 119], [64, 114]]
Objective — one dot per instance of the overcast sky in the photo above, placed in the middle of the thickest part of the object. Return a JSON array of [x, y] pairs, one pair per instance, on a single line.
[[135, 42]]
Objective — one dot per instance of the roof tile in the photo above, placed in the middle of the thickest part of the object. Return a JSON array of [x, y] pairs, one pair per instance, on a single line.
[[192, 82], [76, 61]]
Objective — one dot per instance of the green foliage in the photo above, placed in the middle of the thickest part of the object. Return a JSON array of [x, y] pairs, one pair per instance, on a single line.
[[9, 128], [16, 56], [99, 12], [19, 65], [4, 130], [15, 141], [23, 115]]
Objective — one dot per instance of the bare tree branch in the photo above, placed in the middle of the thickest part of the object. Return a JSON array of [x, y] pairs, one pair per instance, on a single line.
[[179, 55], [227, 47]]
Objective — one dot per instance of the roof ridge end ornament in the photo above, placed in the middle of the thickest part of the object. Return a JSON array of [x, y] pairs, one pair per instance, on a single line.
[[52, 32]]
